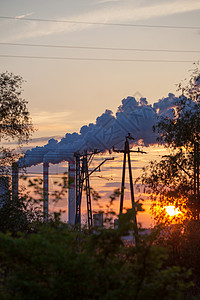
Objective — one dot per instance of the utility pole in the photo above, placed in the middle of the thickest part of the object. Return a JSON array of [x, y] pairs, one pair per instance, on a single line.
[[82, 175], [126, 152], [196, 179]]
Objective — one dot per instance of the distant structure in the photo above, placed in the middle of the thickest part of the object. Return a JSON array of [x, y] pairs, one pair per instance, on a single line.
[[4, 190], [71, 191]]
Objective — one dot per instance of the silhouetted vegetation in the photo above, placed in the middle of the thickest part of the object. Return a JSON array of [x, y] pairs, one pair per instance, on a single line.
[[61, 263]]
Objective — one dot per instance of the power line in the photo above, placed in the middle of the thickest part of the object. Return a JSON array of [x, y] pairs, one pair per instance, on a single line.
[[100, 23], [96, 59], [99, 48]]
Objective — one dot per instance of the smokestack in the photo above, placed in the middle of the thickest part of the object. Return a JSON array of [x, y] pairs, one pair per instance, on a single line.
[[15, 178], [45, 190], [72, 192], [4, 190]]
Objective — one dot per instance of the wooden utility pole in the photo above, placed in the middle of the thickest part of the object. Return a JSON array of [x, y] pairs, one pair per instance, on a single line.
[[126, 152]]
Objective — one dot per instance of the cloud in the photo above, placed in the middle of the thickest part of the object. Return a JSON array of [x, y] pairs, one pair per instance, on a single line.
[[24, 16], [121, 12], [56, 122], [108, 168], [164, 104], [44, 116], [134, 117], [44, 139], [105, 1], [113, 184], [37, 141]]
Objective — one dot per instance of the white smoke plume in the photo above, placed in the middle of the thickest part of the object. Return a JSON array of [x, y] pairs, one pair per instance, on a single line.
[[134, 117]]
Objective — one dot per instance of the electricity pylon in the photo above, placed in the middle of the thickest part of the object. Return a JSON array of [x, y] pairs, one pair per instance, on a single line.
[[82, 175]]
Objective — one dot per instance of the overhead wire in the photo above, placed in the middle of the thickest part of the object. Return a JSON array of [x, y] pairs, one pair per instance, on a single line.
[[99, 48], [99, 23], [95, 59]]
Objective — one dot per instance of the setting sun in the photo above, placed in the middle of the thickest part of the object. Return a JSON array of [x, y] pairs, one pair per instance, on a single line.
[[172, 211]]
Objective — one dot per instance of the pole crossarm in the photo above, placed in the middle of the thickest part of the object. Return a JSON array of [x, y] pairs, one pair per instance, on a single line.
[[112, 158], [135, 151]]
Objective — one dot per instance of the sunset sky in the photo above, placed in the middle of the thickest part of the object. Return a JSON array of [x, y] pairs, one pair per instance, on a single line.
[[65, 94], [81, 57]]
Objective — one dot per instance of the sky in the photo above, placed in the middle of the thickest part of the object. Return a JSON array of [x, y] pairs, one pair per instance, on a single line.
[[104, 51], [65, 94]]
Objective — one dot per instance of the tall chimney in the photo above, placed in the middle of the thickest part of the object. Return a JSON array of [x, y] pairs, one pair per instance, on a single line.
[[72, 192], [15, 178], [45, 191]]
